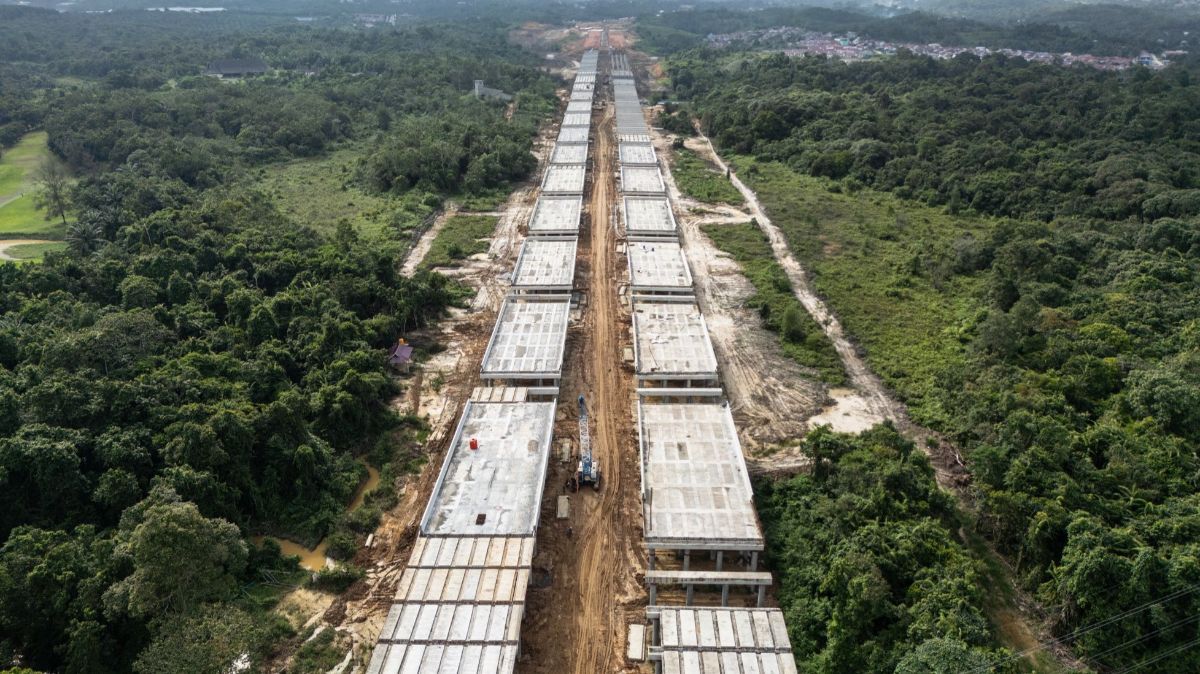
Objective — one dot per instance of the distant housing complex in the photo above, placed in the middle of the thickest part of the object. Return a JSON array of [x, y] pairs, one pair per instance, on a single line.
[[852, 47]]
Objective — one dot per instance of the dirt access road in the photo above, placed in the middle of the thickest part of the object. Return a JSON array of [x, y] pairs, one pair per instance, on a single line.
[[10, 243], [437, 392], [869, 390], [578, 623]]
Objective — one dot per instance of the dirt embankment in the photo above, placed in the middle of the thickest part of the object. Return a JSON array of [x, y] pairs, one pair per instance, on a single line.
[[437, 392], [870, 395]]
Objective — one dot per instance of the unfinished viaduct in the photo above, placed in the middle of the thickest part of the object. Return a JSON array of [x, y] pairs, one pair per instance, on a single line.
[[460, 602]]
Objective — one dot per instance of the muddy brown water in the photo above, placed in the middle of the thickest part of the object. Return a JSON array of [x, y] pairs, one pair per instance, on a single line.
[[315, 559]]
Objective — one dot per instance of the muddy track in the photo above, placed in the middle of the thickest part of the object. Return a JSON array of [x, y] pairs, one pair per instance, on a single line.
[[875, 397], [771, 396], [1024, 620], [578, 623]]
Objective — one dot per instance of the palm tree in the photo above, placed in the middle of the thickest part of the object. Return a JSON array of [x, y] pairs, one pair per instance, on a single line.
[[84, 236]]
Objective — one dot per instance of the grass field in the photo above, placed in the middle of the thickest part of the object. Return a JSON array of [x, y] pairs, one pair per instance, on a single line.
[[319, 192], [801, 337], [882, 263], [34, 251], [461, 237], [18, 217], [700, 181]]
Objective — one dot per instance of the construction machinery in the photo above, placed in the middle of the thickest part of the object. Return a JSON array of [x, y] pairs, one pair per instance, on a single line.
[[588, 472]]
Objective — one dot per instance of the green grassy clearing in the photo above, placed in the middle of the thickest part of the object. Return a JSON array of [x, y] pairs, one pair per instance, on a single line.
[[461, 237], [489, 200], [799, 335], [318, 654], [702, 182], [320, 191], [18, 216], [875, 258], [34, 251], [18, 163]]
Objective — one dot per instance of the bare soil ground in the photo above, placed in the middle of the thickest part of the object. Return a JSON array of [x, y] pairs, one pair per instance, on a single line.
[[437, 392], [1018, 622], [771, 395], [578, 622]]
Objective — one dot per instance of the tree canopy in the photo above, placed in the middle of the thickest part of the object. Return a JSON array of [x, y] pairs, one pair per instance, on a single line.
[[1074, 386], [197, 367]]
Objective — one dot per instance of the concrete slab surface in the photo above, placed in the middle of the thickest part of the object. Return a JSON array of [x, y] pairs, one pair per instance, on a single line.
[[671, 341], [573, 134], [545, 264], [418, 658], [658, 265], [564, 179], [496, 489], [695, 489], [570, 153], [527, 340], [642, 180], [648, 215], [632, 154], [556, 216], [696, 640], [577, 119]]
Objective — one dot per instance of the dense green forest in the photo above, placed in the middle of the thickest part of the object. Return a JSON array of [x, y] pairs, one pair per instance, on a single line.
[[1062, 313], [871, 575], [1081, 30], [197, 367]]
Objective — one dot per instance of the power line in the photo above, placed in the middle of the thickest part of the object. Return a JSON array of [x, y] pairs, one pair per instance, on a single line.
[[1127, 644], [1088, 628], [1160, 656]]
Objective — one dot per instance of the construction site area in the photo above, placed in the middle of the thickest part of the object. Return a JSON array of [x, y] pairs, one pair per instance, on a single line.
[[592, 510]]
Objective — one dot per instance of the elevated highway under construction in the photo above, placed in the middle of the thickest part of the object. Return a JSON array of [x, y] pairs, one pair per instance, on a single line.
[[658, 570]]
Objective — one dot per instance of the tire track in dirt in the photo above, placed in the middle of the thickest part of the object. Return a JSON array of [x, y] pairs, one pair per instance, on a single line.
[[578, 623], [359, 613], [877, 400], [771, 396]]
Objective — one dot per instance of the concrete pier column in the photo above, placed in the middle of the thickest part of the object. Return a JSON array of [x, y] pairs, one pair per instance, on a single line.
[[754, 560], [762, 594], [724, 595], [691, 592], [687, 559], [720, 559], [651, 560], [654, 595]]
